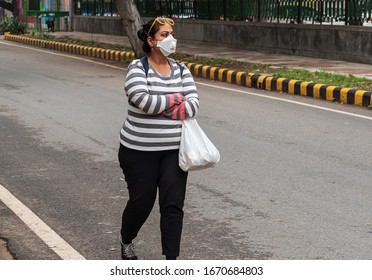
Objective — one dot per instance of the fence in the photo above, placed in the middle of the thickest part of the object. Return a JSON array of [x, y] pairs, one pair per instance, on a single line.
[[353, 12], [53, 19], [43, 15], [96, 8]]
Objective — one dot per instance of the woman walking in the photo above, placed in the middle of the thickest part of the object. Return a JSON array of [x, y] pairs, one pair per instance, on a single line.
[[161, 93]]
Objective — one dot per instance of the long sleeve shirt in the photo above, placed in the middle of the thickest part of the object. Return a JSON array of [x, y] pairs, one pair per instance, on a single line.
[[146, 128]]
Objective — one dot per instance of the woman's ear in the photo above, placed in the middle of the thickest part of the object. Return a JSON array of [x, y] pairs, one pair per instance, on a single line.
[[150, 42]]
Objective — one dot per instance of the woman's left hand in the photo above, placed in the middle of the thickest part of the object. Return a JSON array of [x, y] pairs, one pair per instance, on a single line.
[[177, 112]]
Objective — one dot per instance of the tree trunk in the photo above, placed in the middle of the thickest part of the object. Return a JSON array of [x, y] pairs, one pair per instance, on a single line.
[[6, 5], [131, 20], [15, 8]]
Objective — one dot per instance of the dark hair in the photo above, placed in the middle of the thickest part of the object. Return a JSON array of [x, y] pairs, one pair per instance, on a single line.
[[143, 34]]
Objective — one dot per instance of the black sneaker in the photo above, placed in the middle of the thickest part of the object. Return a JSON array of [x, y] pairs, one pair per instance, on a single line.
[[127, 252]]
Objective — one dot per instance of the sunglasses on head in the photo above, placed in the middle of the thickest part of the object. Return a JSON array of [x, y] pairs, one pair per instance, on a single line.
[[161, 21]]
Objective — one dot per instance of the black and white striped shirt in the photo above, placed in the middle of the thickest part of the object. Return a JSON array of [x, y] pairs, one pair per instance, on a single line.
[[145, 128]]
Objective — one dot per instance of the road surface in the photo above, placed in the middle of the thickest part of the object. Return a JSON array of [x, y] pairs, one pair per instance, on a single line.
[[294, 181]]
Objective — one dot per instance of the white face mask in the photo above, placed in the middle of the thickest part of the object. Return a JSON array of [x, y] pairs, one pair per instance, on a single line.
[[168, 45]]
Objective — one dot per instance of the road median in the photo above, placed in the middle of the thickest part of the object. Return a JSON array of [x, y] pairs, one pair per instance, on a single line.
[[338, 94]]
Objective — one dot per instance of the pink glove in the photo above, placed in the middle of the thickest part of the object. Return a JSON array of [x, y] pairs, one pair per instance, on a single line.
[[177, 112], [175, 98]]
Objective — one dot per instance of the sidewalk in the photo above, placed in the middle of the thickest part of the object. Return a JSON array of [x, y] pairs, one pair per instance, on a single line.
[[207, 50]]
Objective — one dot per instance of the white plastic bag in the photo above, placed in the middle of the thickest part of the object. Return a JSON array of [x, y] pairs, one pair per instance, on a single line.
[[196, 150]]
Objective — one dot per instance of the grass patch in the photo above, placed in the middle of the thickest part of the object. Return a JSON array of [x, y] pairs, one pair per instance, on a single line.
[[41, 35], [319, 77], [91, 43], [322, 77]]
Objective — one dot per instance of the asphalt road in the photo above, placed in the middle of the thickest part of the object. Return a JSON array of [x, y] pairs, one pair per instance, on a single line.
[[294, 180]]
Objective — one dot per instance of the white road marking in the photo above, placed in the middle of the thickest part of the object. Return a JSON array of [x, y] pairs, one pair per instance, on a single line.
[[209, 85], [41, 229]]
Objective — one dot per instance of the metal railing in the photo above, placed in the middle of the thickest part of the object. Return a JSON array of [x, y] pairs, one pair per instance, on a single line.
[[299, 11], [96, 8]]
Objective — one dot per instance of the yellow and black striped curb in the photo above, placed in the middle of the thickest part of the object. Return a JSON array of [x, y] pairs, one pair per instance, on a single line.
[[253, 80], [72, 48], [295, 87]]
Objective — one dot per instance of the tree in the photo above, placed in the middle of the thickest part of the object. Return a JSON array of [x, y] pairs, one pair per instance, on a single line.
[[11, 6], [131, 20], [6, 5]]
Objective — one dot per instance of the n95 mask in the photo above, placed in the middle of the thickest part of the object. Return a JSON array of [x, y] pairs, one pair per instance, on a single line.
[[168, 45]]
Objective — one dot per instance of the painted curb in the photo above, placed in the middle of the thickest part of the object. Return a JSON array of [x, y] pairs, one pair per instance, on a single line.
[[72, 48], [351, 96], [253, 80]]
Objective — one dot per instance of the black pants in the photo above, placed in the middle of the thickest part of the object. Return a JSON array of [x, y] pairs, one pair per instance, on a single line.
[[145, 172]]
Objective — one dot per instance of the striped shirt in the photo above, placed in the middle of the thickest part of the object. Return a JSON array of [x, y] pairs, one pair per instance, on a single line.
[[145, 128]]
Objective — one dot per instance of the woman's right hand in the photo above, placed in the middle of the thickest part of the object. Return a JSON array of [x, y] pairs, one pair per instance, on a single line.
[[177, 112], [177, 99]]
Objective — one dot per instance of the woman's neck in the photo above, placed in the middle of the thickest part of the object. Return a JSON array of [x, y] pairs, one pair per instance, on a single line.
[[159, 63]]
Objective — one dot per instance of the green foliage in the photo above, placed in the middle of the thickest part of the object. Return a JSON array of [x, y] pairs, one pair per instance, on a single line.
[[92, 43], [41, 35], [5, 22], [13, 25], [327, 78], [319, 77]]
